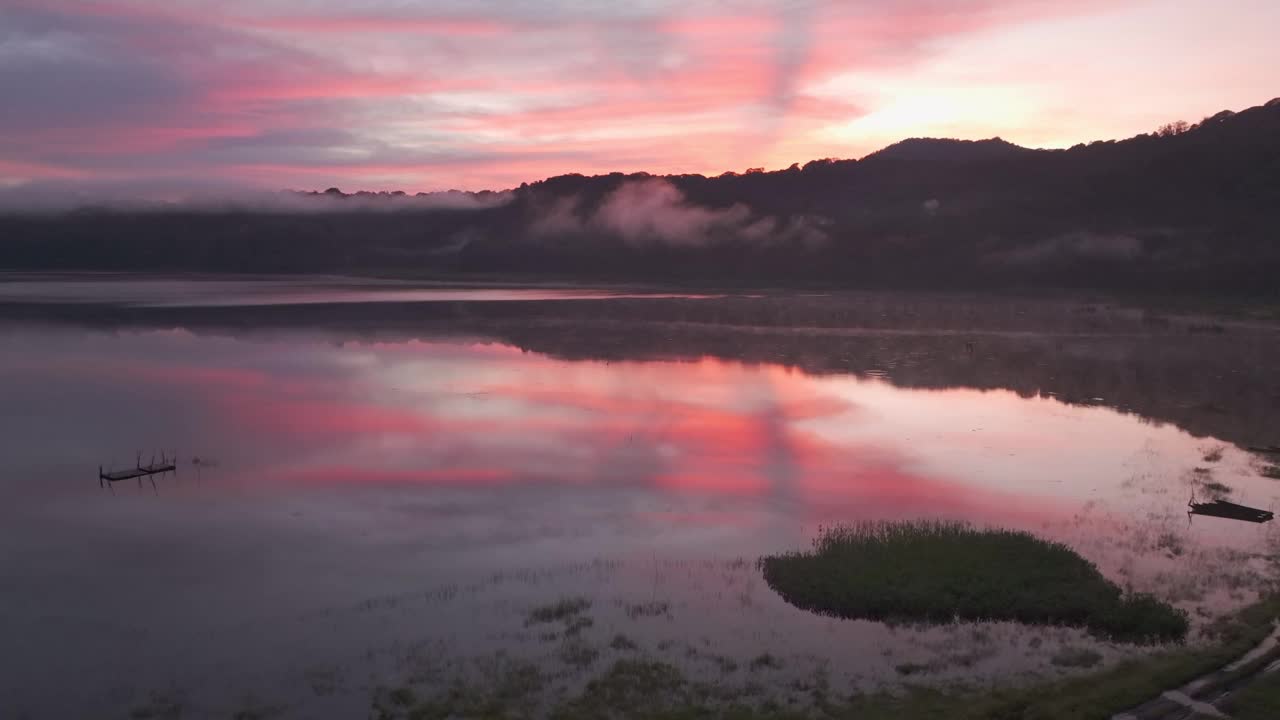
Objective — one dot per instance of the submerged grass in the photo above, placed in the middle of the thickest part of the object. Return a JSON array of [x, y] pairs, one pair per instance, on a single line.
[[764, 661], [564, 609], [629, 688], [578, 654], [1132, 682], [653, 690], [937, 572], [509, 691], [162, 706], [575, 626], [1216, 489], [649, 609], [622, 643]]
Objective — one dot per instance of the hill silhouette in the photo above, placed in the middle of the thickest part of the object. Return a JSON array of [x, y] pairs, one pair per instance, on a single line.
[[1187, 207], [936, 150]]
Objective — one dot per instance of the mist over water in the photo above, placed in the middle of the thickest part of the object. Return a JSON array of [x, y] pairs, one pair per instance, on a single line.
[[217, 292]]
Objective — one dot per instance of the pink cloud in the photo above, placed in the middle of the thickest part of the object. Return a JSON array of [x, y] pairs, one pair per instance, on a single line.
[[35, 170], [347, 24], [464, 96]]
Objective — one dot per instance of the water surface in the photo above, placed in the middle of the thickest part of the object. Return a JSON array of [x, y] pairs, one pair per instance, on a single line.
[[359, 506]]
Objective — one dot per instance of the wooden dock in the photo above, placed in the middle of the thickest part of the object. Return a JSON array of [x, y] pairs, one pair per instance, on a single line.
[[139, 471], [1231, 511]]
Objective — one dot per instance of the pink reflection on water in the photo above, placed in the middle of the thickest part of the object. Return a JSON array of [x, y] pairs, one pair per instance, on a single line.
[[356, 471], [337, 474], [474, 416], [289, 414]]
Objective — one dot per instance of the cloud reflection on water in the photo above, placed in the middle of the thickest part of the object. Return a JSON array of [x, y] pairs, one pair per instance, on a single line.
[[348, 471]]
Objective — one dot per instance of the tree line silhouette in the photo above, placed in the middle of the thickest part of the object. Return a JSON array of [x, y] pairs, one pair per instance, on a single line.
[[1185, 207]]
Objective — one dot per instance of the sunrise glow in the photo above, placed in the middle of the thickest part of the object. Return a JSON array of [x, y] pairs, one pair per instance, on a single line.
[[475, 95]]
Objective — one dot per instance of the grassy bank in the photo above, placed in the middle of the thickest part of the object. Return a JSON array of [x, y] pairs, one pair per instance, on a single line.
[[1130, 683], [1260, 701], [938, 572]]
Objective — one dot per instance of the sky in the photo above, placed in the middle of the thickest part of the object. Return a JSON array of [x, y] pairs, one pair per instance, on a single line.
[[424, 95]]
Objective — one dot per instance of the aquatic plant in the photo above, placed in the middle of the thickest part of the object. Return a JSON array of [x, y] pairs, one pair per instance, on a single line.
[[564, 609], [1214, 454], [402, 696], [725, 663], [648, 609], [507, 689], [166, 705], [912, 668], [578, 654], [577, 625], [764, 660], [648, 689], [1216, 489], [1172, 543], [622, 643], [629, 688], [937, 572]]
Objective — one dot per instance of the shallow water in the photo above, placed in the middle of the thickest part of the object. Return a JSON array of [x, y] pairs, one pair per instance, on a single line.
[[364, 508]]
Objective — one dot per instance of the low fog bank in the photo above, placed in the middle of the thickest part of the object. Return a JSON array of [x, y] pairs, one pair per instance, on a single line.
[[185, 195], [1193, 209], [652, 210]]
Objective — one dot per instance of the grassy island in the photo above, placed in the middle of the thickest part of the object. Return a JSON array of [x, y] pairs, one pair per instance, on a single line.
[[936, 572]]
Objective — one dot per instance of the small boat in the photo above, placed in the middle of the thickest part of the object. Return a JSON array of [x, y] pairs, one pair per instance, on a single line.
[[1229, 510]]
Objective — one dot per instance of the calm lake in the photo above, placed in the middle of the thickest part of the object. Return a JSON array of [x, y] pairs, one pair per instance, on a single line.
[[376, 482]]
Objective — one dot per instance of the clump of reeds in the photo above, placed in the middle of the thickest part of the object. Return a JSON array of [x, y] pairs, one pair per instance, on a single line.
[[938, 572]]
